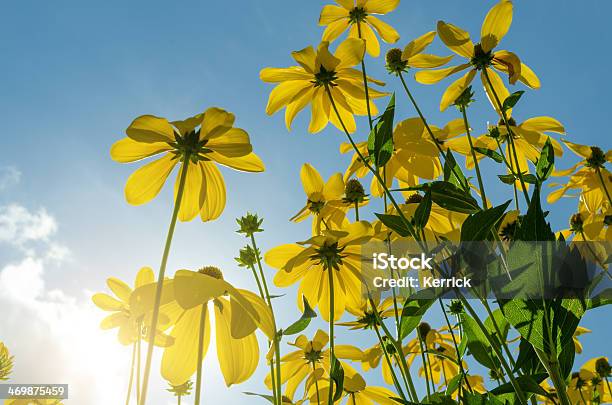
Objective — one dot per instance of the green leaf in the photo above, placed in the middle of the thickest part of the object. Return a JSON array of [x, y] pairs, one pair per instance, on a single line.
[[481, 399], [412, 313], [489, 153], [507, 178], [453, 384], [528, 360], [448, 196], [337, 376], [533, 226], [304, 320], [511, 100], [601, 299], [478, 226], [395, 223], [502, 324], [270, 398], [421, 214], [380, 141], [529, 178], [453, 172], [528, 383], [477, 343], [546, 162]]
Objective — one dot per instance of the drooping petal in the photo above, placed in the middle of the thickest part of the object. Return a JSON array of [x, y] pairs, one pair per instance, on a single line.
[[238, 358], [312, 182], [187, 125], [319, 113], [334, 188], [266, 321], [386, 32], [434, 76], [343, 114], [248, 163], [331, 13], [128, 150], [426, 61], [277, 75], [417, 45], [279, 256], [583, 151], [285, 93], [192, 198], [306, 58], [233, 143], [146, 182], [455, 89], [543, 124], [215, 123], [334, 30], [114, 320], [496, 94], [297, 104], [367, 34], [106, 302], [149, 129], [214, 200], [350, 52], [381, 6], [145, 276], [119, 288], [325, 59], [180, 360], [509, 63], [528, 77], [456, 39], [496, 25], [192, 289]]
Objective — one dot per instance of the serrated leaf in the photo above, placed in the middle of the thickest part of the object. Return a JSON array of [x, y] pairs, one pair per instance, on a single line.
[[421, 214], [478, 226], [533, 226], [449, 196], [511, 100], [530, 178], [502, 324], [546, 161], [489, 153], [380, 140], [302, 323], [477, 343]]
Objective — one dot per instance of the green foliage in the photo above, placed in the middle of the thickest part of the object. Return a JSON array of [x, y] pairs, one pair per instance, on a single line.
[[302, 323], [478, 226], [421, 214], [412, 313], [512, 99], [380, 141]]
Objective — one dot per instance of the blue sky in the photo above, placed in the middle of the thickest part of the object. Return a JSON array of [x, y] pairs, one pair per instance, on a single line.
[[75, 74]]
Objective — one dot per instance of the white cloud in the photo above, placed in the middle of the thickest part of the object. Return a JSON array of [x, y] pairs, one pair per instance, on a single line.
[[19, 226], [9, 176]]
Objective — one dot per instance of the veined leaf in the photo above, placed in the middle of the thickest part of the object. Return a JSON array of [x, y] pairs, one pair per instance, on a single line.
[[303, 322], [546, 161], [511, 100], [380, 141], [453, 173], [395, 223], [421, 214], [489, 153], [478, 225], [478, 344]]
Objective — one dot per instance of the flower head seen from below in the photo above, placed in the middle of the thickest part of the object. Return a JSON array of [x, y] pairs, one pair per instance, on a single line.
[[338, 251], [481, 57], [198, 144], [356, 391], [320, 72], [237, 313], [358, 17], [413, 57], [6, 362]]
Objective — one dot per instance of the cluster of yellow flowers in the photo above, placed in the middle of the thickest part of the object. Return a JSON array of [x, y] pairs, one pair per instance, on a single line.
[[175, 312]]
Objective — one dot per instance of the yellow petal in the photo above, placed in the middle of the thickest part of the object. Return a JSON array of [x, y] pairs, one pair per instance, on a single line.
[[498, 93], [142, 299], [343, 117], [529, 77], [320, 340], [334, 30], [192, 288], [297, 104], [331, 13], [238, 358], [145, 276], [146, 182], [543, 124], [216, 122], [149, 128], [386, 32], [266, 320], [192, 198], [128, 150], [347, 4], [456, 39], [508, 63], [334, 188], [106, 302], [434, 76], [214, 200], [320, 111], [280, 255], [455, 89], [418, 45], [381, 6], [311, 180], [114, 320], [306, 58], [233, 143], [349, 352], [189, 124], [426, 61], [121, 289], [180, 361], [247, 163], [583, 151], [350, 52], [325, 58], [277, 75], [285, 93], [367, 34], [496, 25]]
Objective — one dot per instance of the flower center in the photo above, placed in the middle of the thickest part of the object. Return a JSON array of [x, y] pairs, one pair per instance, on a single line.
[[324, 77], [357, 15], [315, 206], [597, 158], [211, 271], [576, 223], [313, 356], [481, 59], [353, 192], [190, 145], [329, 255], [369, 320], [508, 231], [424, 328], [602, 367], [414, 199], [395, 64]]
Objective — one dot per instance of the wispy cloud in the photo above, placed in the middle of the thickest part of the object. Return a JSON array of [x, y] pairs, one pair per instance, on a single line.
[[9, 177]]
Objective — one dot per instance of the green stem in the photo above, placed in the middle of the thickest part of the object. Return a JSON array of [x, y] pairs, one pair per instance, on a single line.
[[131, 380], [316, 381], [510, 135], [330, 277], [476, 165], [357, 211], [198, 392], [179, 399], [552, 367], [450, 329], [428, 379], [139, 343], [398, 387], [603, 184], [502, 341], [160, 281], [365, 81], [509, 166]]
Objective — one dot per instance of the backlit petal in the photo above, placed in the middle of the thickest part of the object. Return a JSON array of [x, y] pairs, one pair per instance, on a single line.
[[320, 111], [285, 93], [149, 128], [306, 58], [216, 122], [332, 13], [247, 163], [528, 77], [434, 76], [381, 6], [386, 32], [144, 276], [297, 104], [498, 93], [456, 39], [350, 52], [543, 124], [214, 200], [128, 150], [191, 200], [334, 188], [455, 89], [119, 288], [425, 61], [106, 302], [496, 25], [418, 45], [146, 182], [277, 75], [233, 143], [311, 180], [367, 34], [334, 30]]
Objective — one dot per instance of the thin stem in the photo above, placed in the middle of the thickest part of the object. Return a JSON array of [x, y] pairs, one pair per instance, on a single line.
[[476, 164], [356, 210], [139, 343], [365, 81], [603, 184], [330, 277], [502, 341], [450, 328], [316, 381], [198, 392], [555, 376], [390, 364], [428, 379], [179, 400], [510, 135], [160, 281], [131, 380]]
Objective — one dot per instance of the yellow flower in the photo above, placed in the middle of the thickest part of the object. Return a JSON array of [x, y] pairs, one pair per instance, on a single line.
[[585, 176], [474, 382], [131, 324], [356, 391], [480, 57], [366, 317], [6, 362], [358, 15], [591, 380], [306, 84], [413, 57], [580, 330], [238, 313], [196, 149], [324, 200], [311, 360], [33, 402], [338, 251]]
